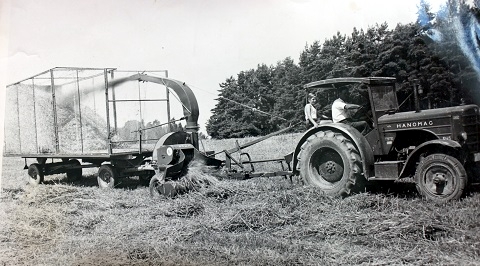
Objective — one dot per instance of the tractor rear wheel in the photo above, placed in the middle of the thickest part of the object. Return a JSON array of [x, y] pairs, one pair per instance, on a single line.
[[35, 174], [107, 176], [440, 178], [330, 161]]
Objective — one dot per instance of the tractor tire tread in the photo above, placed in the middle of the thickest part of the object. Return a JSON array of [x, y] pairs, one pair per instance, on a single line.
[[354, 181]]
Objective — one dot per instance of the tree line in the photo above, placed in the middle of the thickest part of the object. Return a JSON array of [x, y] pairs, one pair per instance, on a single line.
[[263, 100]]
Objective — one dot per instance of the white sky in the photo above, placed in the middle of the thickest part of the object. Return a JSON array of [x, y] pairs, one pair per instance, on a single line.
[[199, 42]]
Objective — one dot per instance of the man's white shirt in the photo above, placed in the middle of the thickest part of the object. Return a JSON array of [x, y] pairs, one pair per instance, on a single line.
[[339, 112]]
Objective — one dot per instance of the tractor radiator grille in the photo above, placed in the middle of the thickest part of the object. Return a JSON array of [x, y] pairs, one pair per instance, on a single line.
[[472, 128]]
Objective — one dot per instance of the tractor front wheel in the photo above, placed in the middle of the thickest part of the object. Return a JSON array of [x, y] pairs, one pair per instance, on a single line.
[[107, 176], [440, 178], [330, 161]]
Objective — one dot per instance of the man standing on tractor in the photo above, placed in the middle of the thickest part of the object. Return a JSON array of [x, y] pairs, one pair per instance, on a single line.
[[341, 112]]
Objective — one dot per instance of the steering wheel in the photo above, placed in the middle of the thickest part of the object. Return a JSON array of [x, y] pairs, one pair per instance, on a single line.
[[366, 115]]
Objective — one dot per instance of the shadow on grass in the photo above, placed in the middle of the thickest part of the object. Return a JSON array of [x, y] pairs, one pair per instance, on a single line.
[[395, 189], [91, 181], [408, 189]]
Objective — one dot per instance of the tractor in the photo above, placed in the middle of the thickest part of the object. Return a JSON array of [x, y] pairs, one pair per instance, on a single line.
[[437, 147]]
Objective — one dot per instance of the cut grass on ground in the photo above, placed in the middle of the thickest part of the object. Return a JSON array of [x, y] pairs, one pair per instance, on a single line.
[[263, 221]]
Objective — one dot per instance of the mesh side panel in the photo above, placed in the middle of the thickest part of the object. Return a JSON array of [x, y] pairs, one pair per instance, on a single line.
[[79, 115], [29, 124], [68, 119], [12, 129], [27, 119], [80, 105], [93, 113], [45, 125], [73, 112]]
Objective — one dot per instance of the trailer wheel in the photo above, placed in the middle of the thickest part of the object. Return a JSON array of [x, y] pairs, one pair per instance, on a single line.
[[330, 161], [440, 178], [107, 176], [74, 174], [35, 174]]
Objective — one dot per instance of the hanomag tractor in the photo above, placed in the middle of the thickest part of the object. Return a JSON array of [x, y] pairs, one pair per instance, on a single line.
[[437, 146]]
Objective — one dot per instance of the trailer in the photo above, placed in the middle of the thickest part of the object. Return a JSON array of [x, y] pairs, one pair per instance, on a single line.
[[66, 119]]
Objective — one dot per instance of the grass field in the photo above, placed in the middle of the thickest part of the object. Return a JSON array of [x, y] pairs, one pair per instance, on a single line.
[[263, 221]]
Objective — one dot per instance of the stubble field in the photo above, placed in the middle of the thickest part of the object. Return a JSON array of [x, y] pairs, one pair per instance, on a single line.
[[262, 221]]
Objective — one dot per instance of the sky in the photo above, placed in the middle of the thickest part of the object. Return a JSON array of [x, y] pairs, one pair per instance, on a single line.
[[199, 42]]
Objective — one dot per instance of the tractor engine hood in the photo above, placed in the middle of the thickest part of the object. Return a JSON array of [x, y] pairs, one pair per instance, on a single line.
[[427, 118]]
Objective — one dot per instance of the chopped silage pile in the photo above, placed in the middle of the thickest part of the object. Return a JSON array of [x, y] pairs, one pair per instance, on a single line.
[[255, 222], [30, 125]]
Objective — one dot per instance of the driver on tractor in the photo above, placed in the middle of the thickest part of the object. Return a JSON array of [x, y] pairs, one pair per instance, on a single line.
[[342, 112]]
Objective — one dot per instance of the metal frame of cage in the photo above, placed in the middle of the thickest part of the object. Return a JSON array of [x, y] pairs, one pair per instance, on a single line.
[[52, 81]]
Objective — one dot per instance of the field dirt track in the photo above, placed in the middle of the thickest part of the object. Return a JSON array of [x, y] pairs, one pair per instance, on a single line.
[[263, 221]]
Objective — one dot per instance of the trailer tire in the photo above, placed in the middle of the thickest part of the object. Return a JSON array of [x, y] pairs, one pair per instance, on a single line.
[[440, 178], [35, 174], [74, 174], [107, 176], [330, 161]]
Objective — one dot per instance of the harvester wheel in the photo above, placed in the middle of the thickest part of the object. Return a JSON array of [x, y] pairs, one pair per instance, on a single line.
[[74, 174], [107, 176], [158, 186], [35, 174], [155, 183], [329, 161], [440, 178]]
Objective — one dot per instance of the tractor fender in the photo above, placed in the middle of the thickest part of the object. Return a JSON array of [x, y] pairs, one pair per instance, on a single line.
[[449, 147], [351, 133]]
